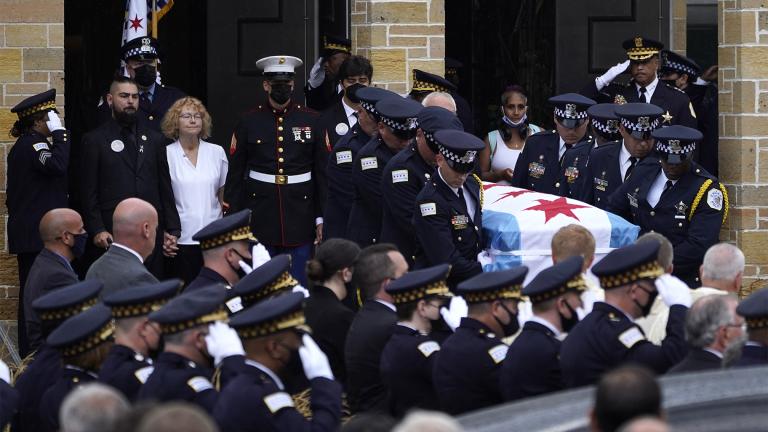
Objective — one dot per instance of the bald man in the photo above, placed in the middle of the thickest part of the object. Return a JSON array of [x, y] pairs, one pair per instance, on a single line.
[[134, 229], [64, 238], [440, 99]]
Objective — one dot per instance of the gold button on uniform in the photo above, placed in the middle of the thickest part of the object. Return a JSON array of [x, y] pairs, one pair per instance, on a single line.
[[281, 160], [280, 149], [280, 128], [280, 138], [280, 171], [280, 119]]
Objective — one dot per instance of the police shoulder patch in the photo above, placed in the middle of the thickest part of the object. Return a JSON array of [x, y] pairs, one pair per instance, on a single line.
[[344, 156], [277, 401], [498, 353], [143, 374], [199, 384], [369, 163], [631, 336], [715, 199], [428, 348], [428, 209], [400, 176], [41, 146]]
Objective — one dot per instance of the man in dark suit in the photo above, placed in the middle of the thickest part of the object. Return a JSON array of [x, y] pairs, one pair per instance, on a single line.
[[340, 117], [123, 158], [532, 365], [64, 239], [122, 266], [714, 333], [323, 88], [375, 267], [754, 309]]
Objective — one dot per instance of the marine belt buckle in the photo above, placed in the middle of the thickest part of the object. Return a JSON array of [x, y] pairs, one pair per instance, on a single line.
[[281, 179]]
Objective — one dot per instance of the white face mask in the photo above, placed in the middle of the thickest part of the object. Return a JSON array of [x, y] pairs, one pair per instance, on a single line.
[[511, 123]]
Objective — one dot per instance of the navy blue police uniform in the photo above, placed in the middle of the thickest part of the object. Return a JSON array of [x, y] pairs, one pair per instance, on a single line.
[[404, 177], [468, 367], [256, 400], [604, 173], [175, 377], [607, 337], [532, 364], [754, 309], [542, 166], [9, 402], [45, 368], [408, 358], [125, 369], [448, 223], [339, 168], [364, 226], [84, 333], [327, 93], [688, 211], [425, 83]]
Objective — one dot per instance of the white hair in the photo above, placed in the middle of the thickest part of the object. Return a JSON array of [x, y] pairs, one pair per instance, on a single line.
[[428, 421], [92, 407], [433, 98], [723, 262]]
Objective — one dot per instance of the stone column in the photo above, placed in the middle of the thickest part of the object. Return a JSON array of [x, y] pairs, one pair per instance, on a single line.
[[399, 36], [678, 34]]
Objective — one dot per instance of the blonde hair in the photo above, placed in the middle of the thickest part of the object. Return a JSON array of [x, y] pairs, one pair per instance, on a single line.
[[170, 124], [573, 240]]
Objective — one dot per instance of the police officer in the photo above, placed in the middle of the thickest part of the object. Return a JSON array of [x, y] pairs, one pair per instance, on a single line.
[[137, 340], [405, 176], [341, 191], [613, 163], [195, 340], [608, 336], [425, 83], [141, 57], [37, 182], [678, 199], [683, 73], [468, 366], [397, 128], [45, 367], [542, 163], [9, 396], [83, 342], [276, 168], [268, 280], [323, 88], [643, 64], [754, 309], [532, 365], [408, 357], [604, 123], [448, 214]]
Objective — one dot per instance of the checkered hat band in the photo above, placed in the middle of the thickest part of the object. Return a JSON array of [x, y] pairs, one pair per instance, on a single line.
[[282, 283], [576, 284], [99, 337], [652, 125], [142, 50], [449, 154], [424, 86], [609, 126], [371, 108], [135, 310], [650, 270], [45, 106], [511, 292], [242, 233], [570, 114], [218, 315], [337, 47], [680, 67], [285, 322], [664, 147], [70, 311], [438, 288], [407, 125], [757, 323]]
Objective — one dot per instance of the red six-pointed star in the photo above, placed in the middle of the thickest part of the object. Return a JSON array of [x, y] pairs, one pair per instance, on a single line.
[[552, 208], [136, 22]]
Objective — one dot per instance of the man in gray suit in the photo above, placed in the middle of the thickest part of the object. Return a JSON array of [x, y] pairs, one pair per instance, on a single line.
[[134, 228]]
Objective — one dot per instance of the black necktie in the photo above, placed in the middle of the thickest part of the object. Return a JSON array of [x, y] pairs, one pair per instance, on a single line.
[[129, 140], [643, 97], [667, 187], [460, 192], [632, 163]]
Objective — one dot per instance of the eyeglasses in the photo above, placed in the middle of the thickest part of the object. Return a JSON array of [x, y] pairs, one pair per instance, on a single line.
[[187, 116], [742, 326]]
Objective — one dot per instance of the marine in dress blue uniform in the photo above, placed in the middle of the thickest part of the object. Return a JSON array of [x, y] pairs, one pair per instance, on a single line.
[[408, 357], [128, 364], [542, 165], [613, 163], [256, 400], [45, 368], [448, 218], [754, 309], [678, 199], [83, 342], [397, 128], [425, 83], [604, 123], [405, 176], [608, 336], [177, 377], [468, 366], [532, 365], [277, 168], [341, 191]]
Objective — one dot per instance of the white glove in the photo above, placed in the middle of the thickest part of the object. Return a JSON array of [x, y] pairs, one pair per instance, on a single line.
[[606, 78], [246, 268], [5, 373], [314, 360], [301, 289], [673, 291], [54, 122], [222, 342], [453, 314], [259, 255], [317, 74], [484, 258]]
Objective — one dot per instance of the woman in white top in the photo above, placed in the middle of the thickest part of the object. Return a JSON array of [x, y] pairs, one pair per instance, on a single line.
[[198, 171], [504, 145]]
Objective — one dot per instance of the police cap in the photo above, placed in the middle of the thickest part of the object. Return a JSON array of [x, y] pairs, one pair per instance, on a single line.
[[459, 148], [605, 121], [628, 264], [67, 302], [490, 286], [754, 309], [676, 143], [672, 62], [420, 284], [425, 82], [266, 280], [273, 315], [143, 299], [141, 48], [335, 44], [639, 119], [192, 309], [41, 102], [83, 332], [230, 228], [571, 108], [400, 114], [639, 48], [370, 96], [556, 280]]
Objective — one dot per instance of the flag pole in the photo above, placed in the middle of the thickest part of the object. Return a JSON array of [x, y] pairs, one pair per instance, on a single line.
[[154, 19]]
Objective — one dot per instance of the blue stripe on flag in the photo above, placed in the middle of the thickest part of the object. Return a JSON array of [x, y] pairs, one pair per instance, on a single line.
[[501, 232], [622, 232]]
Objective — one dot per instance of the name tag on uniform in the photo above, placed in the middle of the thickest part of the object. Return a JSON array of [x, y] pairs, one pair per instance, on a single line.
[[459, 222], [199, 384], [343, 157], [600, 184], [370, 162], [498, 353], [536, 169], [571, 174], [428, 209], [277, 401], [399, 176], [429, 348]]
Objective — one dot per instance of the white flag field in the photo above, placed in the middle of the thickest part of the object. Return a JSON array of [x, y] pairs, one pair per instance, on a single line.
[[518, 226]]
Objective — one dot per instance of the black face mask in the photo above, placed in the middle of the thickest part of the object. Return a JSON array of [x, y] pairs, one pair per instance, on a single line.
[[281, 93], [154, 352], [145, 75], [78, 249], [512, 327], [569, 323], [646, 309], [670, 82]]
